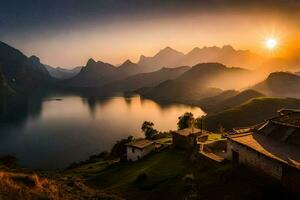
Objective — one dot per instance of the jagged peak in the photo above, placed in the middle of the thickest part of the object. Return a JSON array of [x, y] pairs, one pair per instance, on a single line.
[[90, 61], [167, 50], [128, 62]]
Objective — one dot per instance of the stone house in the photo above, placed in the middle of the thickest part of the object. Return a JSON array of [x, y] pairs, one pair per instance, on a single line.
[[272, 147], [139, 148], [188, 138]]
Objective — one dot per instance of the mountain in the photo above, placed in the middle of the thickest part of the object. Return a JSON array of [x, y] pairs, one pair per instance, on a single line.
[[227, 99], [96, 74], [227, 55], [62, 73], [22, 73], [166, 57], [5, 90], [141, 80], [298, 73], [201, 81], [283, 84], [93, 74], [127, 69], [249, 113]]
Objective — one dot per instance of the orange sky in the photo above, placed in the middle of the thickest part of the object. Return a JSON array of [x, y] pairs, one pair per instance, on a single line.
[[119, 40]]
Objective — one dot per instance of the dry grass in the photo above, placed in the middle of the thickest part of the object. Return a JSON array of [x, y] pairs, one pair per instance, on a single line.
[[27, 186], [55, 186]]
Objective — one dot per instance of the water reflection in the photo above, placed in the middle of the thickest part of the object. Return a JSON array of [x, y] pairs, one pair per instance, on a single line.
[[51, 133]]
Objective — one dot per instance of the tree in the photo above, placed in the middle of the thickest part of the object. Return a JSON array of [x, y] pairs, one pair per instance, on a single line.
[[199, 122], [148, 129], [119, 148], [186, 120]]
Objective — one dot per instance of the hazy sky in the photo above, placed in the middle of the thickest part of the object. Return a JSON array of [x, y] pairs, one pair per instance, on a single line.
[[69, 32]]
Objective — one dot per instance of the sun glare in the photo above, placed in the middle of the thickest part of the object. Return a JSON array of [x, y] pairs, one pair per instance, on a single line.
[[271, 43]]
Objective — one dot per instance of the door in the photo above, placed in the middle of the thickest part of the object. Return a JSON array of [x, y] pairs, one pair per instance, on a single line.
[[235, 156]]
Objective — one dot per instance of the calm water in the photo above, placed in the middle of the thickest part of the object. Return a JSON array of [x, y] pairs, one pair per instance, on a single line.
[[59, 130]]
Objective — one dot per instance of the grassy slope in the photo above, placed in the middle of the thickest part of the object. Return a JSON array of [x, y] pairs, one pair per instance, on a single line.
[[167, 174], [249, 113]]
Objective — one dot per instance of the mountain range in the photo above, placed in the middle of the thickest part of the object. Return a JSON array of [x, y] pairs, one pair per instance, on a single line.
[[144, 80], [62, 73], [201, 81], [226, 55]]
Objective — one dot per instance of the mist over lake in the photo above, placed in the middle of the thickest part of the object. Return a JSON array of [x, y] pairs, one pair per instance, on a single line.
[[58, 130]]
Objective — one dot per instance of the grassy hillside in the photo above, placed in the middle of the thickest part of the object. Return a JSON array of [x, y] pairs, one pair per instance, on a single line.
[[171, 174], [249, 113], [200, 81], [227, 100], [280, 84]]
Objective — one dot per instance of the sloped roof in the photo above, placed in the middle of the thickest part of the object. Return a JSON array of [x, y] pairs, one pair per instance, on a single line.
[[282, 152], [191, 131], [140, 143]]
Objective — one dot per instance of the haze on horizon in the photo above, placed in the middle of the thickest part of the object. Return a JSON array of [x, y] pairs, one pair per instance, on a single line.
[[68, 33]]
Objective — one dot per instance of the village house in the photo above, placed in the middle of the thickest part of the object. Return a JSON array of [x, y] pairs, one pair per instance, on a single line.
[[139, 148], [188, 138], [272, 147]]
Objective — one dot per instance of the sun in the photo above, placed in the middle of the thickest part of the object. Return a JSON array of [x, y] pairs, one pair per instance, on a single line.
[[271, 43]]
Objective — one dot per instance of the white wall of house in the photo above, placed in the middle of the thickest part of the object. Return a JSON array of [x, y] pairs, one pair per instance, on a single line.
[[135, 154], [254, 159]]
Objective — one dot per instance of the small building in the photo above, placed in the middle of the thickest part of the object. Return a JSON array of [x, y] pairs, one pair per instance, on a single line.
[[139, 148], [272, 147], [188, 138]]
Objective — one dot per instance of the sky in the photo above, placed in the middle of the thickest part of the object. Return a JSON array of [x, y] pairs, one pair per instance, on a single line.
[[67, 33]]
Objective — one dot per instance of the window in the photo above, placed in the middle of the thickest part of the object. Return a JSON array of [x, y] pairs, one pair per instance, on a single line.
[[132, 150]]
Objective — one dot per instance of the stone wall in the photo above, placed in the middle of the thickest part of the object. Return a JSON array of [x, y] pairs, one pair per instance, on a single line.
[[250, 157]]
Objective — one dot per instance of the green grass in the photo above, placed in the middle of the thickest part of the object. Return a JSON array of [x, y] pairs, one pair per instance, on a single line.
[[171, 174], [249, 113], [164, 141], [164, 171], [215, 136]]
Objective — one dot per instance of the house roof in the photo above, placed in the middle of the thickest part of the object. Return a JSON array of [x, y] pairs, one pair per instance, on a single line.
[[282, 152], [190, 131], [140, 143]]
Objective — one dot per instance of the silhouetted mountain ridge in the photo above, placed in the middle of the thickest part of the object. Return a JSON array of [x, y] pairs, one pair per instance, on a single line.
[[22, 73], [280, 84]]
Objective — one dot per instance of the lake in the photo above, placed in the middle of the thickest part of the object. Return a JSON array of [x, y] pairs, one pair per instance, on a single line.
[[55, 131]]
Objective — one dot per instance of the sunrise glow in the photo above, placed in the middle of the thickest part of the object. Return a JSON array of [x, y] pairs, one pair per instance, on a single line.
[[271, 43]]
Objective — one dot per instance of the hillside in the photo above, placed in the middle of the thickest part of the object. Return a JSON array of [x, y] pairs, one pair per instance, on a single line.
[[201, 81], [249, 113], [22, 73], [227, 99], [127, 69], [93, 74], [280, 84], [141, 80], [5, 90]]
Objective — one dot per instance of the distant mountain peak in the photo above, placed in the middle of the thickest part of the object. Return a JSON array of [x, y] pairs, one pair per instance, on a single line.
[[167, 51], [91, 61], [128, 62]]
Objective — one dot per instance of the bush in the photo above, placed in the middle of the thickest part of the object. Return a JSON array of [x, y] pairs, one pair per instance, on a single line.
[[141, 177]]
